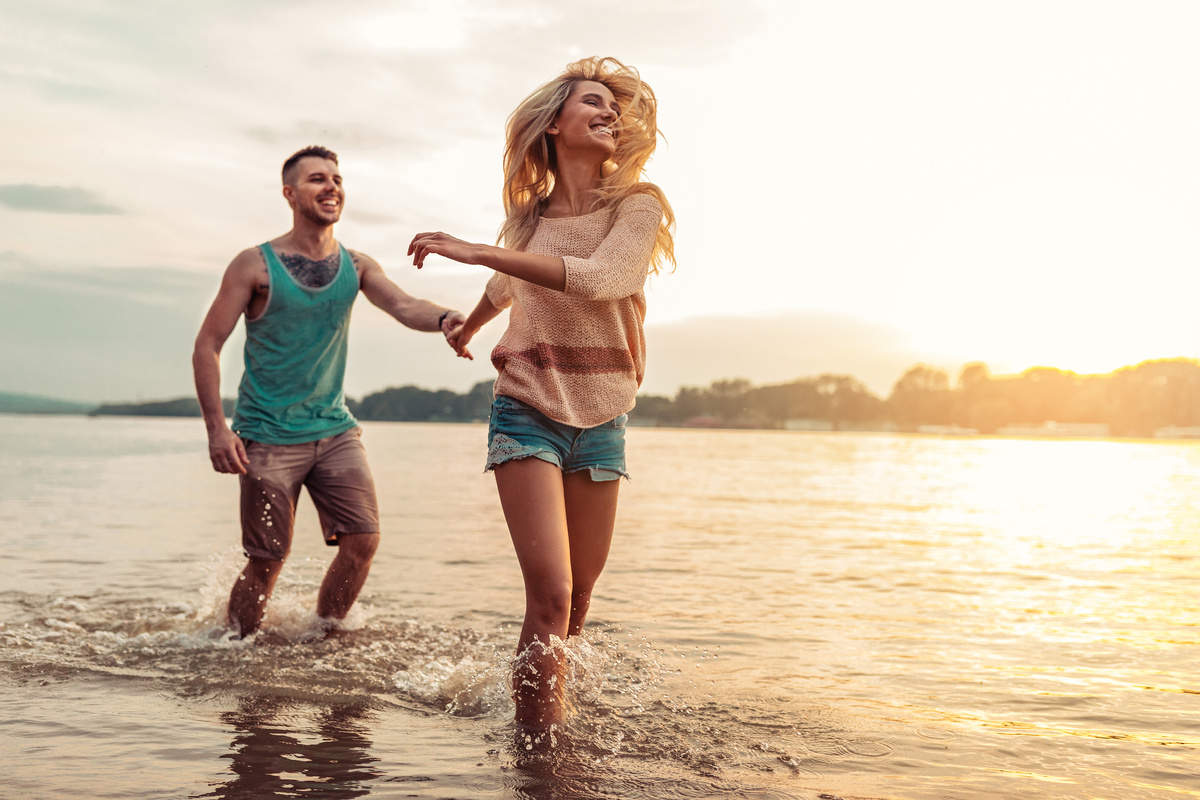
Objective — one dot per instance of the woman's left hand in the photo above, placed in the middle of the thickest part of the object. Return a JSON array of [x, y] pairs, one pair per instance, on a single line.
[[443, 244]]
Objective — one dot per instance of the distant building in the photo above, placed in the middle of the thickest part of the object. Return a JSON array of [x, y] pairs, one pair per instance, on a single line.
[[1051, 428], [946, 430], [878, 426], [808, 425], [1175, 432], [703, 422]]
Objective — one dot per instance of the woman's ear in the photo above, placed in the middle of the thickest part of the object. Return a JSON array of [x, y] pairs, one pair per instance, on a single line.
[[553, 128]]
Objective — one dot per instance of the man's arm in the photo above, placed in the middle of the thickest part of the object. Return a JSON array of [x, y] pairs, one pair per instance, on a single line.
[[420, 315], [226, 450]]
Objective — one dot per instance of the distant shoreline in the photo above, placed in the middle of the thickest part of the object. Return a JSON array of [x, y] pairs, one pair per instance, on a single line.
[[1047, 431], [1153, 399]]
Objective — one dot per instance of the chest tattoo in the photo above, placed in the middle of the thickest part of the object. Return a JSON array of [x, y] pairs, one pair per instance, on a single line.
[[309, 273]]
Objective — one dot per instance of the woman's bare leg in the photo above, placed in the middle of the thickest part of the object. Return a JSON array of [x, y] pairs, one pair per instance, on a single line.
[[531, 493], [591, 515]]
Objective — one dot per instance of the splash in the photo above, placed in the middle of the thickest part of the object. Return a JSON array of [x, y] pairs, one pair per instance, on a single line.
[[290, 615], [604, 674]]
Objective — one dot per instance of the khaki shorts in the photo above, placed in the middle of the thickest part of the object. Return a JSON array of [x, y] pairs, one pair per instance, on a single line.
[[339, 481]]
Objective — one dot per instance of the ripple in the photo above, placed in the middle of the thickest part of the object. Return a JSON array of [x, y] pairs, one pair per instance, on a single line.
[[936, 734], [875, 749]]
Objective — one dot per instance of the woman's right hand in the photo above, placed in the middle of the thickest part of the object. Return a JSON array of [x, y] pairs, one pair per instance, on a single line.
[[445, 245], [459, 338]]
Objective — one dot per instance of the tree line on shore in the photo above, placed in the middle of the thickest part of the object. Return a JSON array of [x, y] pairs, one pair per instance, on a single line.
[[1131, 401]]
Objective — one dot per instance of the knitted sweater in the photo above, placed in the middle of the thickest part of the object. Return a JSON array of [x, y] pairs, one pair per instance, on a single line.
[[579, 355]]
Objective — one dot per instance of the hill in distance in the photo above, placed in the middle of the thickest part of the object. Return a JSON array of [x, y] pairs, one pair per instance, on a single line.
[[13, 403]]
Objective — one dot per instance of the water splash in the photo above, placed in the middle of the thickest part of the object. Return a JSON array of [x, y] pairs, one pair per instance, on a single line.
[[630, 701]]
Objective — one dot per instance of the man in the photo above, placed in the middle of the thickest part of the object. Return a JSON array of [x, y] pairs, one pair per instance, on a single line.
[[291, 426]]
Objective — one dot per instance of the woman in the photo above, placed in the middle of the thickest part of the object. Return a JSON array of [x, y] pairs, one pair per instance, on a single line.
[[581, 234]]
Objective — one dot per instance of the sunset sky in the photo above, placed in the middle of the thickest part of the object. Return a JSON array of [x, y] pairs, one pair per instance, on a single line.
[[859, 185]]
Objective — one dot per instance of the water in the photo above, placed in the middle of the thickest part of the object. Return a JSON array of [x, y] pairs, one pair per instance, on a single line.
[[784, 615]]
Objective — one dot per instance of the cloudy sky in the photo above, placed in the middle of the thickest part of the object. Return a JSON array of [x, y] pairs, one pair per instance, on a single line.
[[859, 185]]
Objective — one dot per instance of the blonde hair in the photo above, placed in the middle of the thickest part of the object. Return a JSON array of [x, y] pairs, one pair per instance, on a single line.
[[529, 158]]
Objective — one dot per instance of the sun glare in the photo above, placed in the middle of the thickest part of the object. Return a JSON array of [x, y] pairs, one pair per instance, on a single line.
[[1074, 491]]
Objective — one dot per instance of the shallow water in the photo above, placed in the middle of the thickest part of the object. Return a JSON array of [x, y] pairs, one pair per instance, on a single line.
[[784, 615]]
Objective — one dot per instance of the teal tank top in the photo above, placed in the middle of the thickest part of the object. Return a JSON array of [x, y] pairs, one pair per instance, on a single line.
[[291, 391]]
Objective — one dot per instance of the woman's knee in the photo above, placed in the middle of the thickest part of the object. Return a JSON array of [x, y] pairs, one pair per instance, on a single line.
[[551, 603]]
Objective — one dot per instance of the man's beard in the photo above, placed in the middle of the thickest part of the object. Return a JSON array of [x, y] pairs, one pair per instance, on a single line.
[[314, 216]]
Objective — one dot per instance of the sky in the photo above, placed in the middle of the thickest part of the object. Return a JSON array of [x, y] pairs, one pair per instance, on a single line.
[[859, 186]]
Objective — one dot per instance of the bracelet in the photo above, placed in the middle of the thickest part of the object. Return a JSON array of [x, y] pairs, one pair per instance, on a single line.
[[442, 318]]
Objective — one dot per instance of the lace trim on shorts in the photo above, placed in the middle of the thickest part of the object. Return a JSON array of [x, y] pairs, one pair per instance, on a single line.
[[505, 448]]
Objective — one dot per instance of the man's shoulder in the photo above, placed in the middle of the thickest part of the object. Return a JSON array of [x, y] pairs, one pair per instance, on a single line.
[[249, 256], [248, 265], [360, 257], [363, 263]]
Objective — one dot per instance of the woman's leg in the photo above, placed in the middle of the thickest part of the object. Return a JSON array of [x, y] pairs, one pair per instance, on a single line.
[[531, 493], [591, 514]]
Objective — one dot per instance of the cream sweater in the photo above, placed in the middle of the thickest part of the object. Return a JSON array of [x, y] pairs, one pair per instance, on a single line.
[[579, 355]]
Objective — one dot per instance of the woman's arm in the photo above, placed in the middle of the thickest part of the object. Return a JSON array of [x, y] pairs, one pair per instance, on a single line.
[[547, 271], [616, 269], [483, 313], [618, 266]]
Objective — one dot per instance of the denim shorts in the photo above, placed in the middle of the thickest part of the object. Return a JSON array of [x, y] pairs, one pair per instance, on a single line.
[[518, 430]]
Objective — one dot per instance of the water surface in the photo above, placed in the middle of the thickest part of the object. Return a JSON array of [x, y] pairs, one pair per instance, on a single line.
[[784, 615]]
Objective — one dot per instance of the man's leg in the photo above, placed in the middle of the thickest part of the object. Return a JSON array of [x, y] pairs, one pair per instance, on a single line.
[[342, 489], [252, 589], [269, 491], [347, 574]]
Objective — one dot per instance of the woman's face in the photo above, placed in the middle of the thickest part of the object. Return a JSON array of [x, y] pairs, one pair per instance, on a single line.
[[588, 120]]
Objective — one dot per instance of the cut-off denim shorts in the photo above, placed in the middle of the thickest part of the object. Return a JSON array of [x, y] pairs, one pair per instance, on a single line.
[[518, 430]]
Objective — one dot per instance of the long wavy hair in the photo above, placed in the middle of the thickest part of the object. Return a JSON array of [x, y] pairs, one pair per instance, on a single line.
[[530, 164]]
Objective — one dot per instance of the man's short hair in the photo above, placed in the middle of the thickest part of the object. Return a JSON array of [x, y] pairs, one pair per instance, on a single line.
[[312, 150]]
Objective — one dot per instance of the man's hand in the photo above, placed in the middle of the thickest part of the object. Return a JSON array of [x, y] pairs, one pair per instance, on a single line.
[[227, 452], [451, 321], [452, 326]]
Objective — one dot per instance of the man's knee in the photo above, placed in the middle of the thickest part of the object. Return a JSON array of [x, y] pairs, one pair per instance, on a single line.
[[358, 547], [264, 568]]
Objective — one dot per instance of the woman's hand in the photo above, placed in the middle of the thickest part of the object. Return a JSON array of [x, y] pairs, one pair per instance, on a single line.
[[548, 271], [443, 244], [459, 338]]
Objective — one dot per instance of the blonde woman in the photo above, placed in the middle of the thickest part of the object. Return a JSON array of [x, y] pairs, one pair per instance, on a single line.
[[580, 236]]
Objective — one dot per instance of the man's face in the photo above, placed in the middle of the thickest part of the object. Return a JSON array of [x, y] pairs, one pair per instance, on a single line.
[[316, 190]]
